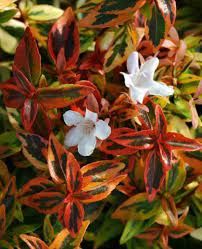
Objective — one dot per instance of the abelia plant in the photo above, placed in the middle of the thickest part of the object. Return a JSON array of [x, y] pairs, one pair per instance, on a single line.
[[100, 137], [160, 144], [71, 187]]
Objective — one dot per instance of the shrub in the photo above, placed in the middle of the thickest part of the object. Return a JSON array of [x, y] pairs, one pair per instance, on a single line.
[[100, 139]]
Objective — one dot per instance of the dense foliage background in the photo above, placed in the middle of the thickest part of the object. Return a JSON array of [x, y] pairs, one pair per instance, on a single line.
[[71, 60]]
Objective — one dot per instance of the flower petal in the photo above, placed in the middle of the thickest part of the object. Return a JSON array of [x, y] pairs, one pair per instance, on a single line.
[[161, 89], [73, 137], [128, 78], [149, 68], [138, 94], [132, 63], [102, 130], [91, 115], [87, 145], [72, 118]]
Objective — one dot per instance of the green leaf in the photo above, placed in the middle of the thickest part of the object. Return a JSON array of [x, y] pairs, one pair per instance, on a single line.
[[93, 210], [168, 10], [121, 48], [20, 229], [6, 15], [136, 243], [5, 73], [8, 43], [5, 245], [156, 27], [197, 234], [48, 230], [189, 88], [18, 212], [182, 107], [135, 227], [44, 13], [109, 229], [9, 144], [15, 28], [117, 5], [9, 137], [137, 207], [86, 41], [175, 178]]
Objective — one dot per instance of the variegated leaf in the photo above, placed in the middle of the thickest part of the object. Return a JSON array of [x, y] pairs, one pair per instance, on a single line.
[[137, 207], [33, 242], [63, 41], [27, 58], [73, 216], [34, 149], [154, 174], [111, 13], [98, 192]]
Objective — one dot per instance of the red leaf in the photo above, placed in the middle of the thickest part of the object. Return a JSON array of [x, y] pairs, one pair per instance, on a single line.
[[27, 58], [13, 97], [168, 205], [112, 148], [93, 60], [98, 192], [95, 90], [29, 112], [2, 219], [41, 194], [22, 82], [33, 242], [57, 160], [68, 77], [121, 131], [92, 104], [177, 141], [33, 187], [144, 119], [34, 149], [166, 156], [73, 216], [61, 96], [46, 202], [154, 174], [73, 174], [63, 41], [136, 140], [100, 171], [63, 166], [42, 124], [180, 231], [8, 198], [161, 124]]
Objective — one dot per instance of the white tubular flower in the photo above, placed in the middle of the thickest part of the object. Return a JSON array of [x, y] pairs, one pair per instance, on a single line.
[[85, 131], [140, 80]]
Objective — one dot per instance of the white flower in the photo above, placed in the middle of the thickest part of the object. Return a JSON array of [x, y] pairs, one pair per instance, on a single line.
[[140, 80], [85, 132]]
